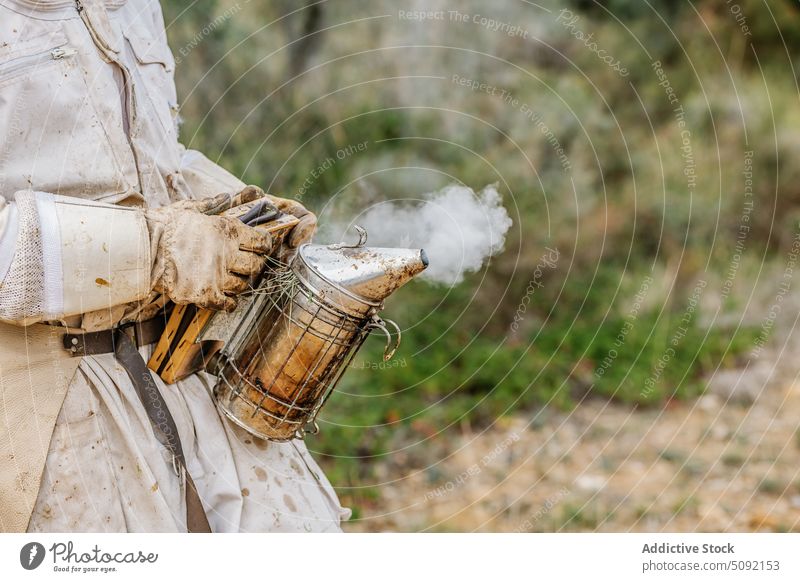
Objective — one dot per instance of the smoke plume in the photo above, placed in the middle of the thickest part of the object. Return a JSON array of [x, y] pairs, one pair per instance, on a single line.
[[458, 228]]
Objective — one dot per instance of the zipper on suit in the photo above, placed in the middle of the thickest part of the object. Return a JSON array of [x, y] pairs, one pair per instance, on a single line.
[[128, 103], [28, 61]]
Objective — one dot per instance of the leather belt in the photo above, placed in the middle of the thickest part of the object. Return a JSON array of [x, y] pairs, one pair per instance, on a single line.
[[102, 342]]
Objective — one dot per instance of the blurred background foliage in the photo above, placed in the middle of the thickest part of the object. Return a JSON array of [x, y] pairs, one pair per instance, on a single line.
[[272, 89]]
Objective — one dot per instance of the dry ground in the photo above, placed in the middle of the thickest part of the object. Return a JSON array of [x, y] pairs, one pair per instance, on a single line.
[[726, 461]]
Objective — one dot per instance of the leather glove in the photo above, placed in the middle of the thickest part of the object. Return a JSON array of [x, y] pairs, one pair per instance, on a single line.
[[201, 258], [303, 230]]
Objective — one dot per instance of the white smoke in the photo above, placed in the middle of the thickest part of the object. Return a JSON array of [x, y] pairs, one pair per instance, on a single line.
[[458, 228]]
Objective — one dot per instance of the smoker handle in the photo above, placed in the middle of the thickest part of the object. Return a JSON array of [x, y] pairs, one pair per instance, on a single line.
[[378, 323], [362, 240]]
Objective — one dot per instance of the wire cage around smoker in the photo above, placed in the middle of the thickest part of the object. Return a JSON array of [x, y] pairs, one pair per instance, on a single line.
[[286, 366]]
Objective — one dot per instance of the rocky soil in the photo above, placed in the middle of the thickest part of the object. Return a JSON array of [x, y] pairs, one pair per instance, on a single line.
[[727, 461]]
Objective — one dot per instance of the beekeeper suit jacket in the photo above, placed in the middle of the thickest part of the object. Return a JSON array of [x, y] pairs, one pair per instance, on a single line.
[[88, 136]]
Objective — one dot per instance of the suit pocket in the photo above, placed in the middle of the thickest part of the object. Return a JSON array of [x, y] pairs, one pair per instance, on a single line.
[[31, 64], [155, 67], [51, 136]]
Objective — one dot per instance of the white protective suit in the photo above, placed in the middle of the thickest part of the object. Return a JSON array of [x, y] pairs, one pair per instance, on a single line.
[[88, 137]]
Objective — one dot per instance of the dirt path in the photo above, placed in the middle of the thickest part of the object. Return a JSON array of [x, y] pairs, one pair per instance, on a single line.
[[720, 462]]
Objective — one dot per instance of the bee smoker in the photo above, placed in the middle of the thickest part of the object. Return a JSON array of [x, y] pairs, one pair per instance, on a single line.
[[291, 343]]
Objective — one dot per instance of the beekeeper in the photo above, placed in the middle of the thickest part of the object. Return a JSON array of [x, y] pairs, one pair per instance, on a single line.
[[104, 217]]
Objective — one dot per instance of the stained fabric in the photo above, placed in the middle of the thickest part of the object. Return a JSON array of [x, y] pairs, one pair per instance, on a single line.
[[88, 110], [107, 472]]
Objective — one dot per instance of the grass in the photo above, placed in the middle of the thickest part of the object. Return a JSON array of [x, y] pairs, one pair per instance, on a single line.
[[685, 504], [623, 215], [733, 459], [772, 486]]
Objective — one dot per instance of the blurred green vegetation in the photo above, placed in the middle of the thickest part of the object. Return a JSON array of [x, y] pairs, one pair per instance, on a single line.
[[273, 89]]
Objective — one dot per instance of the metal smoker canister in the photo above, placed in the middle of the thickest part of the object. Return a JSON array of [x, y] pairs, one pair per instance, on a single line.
[[295, 341]]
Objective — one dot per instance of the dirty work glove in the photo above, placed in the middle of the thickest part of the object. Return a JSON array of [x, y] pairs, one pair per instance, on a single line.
[[303, 230], [201, 258]]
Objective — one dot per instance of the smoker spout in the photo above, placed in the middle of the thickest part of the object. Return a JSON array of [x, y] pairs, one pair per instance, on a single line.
[[367, 272], [423, 256], [380, 272]]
